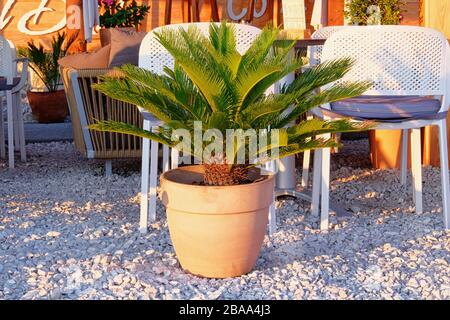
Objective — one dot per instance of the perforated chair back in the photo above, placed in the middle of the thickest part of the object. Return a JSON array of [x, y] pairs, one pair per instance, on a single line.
[[7, 56], [153, 56], [315, 52], [398, 60]]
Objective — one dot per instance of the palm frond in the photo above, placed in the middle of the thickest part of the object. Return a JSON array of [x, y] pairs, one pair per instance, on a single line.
[[317, 127], [335, 93], [213, 83], [120, 127]]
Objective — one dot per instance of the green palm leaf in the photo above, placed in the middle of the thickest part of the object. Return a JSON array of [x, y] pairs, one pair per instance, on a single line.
[[213, 83]]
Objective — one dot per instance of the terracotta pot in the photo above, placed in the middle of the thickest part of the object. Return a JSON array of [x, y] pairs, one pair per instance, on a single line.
[[105, 35], [48, 107], [217, 232]]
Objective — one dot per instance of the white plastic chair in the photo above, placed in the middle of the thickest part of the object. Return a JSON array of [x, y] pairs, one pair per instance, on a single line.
[[153, 56], [315, 52], [315, 57], [11, 90], [400, 61]]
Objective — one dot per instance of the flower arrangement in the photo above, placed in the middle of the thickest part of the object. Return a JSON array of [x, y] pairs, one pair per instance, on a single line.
[[121, 13], [369, 12]]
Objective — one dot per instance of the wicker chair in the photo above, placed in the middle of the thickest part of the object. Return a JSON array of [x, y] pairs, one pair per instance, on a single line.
[[87, 105]]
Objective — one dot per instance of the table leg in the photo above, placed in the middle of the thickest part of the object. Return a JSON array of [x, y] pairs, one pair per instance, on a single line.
[[286, 180]]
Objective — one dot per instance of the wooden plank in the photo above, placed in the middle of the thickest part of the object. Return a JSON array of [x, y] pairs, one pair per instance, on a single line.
[[436, 13]]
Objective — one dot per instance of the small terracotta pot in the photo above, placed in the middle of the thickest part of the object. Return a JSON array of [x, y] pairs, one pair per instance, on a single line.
[[105, 35], [48, 107], [217, 232]]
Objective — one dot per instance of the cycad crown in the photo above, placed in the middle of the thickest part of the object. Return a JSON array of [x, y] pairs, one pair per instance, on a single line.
[[213, 83]]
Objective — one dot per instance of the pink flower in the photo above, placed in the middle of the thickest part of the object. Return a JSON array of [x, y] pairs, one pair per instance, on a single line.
[[107, 2]]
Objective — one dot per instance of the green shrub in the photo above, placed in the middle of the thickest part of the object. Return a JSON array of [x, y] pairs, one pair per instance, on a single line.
[[364, 12]]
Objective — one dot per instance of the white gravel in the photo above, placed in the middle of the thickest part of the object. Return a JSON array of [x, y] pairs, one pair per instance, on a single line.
[[69, 232]]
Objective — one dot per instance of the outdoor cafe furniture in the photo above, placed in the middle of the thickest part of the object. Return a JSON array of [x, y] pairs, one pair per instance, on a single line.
[[153, 56], [314, 55], [87, 105], [10, 86], [385, 146], [406, 65]]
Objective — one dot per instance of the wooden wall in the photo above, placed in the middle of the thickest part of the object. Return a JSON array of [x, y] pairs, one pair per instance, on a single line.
[[436, 15], [22, 7], [156, 16]]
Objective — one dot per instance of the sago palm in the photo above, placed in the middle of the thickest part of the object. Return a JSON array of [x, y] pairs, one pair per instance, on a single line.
[[211, 83]]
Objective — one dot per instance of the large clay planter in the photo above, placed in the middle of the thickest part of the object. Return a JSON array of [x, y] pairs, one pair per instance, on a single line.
[[217, 232], [48, 107]]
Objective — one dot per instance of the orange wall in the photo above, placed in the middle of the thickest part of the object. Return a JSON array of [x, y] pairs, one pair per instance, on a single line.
[[21, 7], [156, 16]]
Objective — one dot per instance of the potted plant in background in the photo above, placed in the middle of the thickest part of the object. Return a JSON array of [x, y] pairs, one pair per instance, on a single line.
[[367, 12], [218, 211], [126, 15], [51, 105]]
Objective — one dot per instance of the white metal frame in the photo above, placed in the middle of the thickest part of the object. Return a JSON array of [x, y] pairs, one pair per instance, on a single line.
[[16, 131], [153, 56], [399, 60]]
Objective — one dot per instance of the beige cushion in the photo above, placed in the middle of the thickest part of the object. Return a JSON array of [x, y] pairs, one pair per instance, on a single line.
[[95, 60], [125, 47]]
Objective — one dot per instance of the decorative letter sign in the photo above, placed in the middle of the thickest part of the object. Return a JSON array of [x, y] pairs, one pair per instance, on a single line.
[[33, 15], [238, 16]]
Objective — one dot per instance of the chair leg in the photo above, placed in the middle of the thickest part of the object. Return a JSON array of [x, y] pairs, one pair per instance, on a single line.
[[2, 132], [272, 218], [108, 167], [325, 187], [21, 129], [306, 162], [175, 158], [416, 163], [316, 182], [153, 180], [404, 157], [271, 167], [10, 116], [443, 149], [23, 151], [165, 158], [143, 222], [305, 171], [16, 122]]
